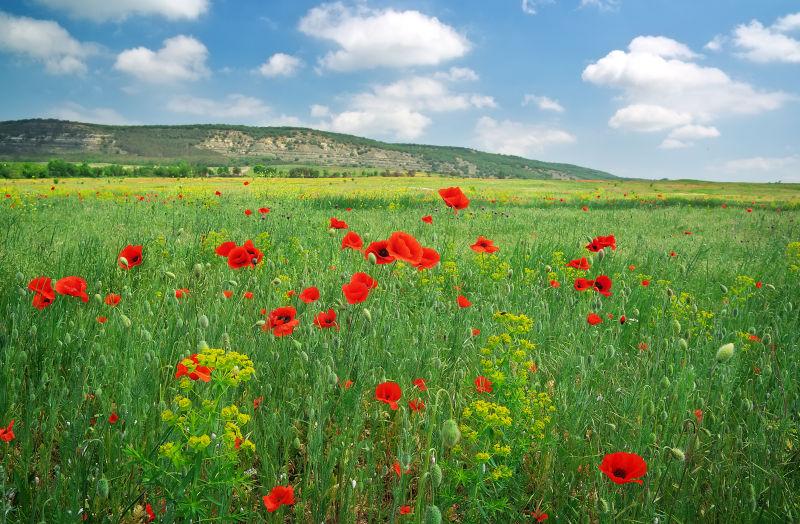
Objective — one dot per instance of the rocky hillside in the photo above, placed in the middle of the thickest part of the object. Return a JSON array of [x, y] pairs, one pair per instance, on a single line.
[[37, 140]]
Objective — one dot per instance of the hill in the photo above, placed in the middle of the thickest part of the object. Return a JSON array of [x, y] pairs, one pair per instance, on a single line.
[[44, 139]]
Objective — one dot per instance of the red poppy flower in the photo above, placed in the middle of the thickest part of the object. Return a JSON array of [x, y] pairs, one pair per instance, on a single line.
[[247, 182], [347, 384], [218, 193], [112, 299], [623, 319], [238, 258], [759, 285], [263, 210], [398, 471], [355, 292], [602, 284], [7, 433], [454, 198], [594, 319], [600, 243], [555, 283], [257, 402], [631, 267], [182, 292], [405, 510], [72, 286], [698, 414], [380, 251], [405, 247], [248, 295], [582, 284], [225, 248], [255, 254], [430, 257], [579, 263], [130, 256], [279, 496], [584, 208], [463, 302], [416, 405], [247, 212], [101, 319], [365, 279], [326, 319], [337, 224], [389, 393], [476, 332], [352, 241], [191, 368], [483, 384], [113, 418], [645, 282], [309, 295], [427, 219], [43, 292], [749, 209], [281, 321], [151, 516], [420, 384], [484, 245], [227, 294], [623, 467]]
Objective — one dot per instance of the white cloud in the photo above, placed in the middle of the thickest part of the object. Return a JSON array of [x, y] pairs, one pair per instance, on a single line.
[[319, 111], [370, 38], [100, 10], [235, 107], [280, 64], [671, 143], [648, 118], [400, 109], [516, 138], [685, 136], [663, 88], [769, 44], [529, 7], [542, 102], [603, 5], [78, 113], [181, 58], [716, 44], [457, 74], [44, 41], [759, 164]]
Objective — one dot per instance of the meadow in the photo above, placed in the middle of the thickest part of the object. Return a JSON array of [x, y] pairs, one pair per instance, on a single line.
[[507, 381]]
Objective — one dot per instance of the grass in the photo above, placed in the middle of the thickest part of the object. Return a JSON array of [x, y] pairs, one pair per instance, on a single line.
[[614, 387]]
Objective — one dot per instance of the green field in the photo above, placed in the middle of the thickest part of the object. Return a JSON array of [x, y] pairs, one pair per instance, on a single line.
[[103, 428]]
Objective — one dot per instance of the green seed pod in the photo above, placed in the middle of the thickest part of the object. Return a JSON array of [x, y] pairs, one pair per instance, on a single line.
[[169, 274], [678, 454], [102, 488], [436, 475], [725, 352], [202, 321], [683, 344], [125, 320], [367, 314], [723, 288], [296, 443], [450, 433], [433, 515], [202, 346]]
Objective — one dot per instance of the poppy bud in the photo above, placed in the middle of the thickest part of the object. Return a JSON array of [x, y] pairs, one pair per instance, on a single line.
[[725, 352], [226, 341], [767, 339], [723, 288], [20, 277], [436, 475], [450, 433], [178, 322], [33, 330], [198, 270], [789, 307], [678, 454], [604, 505], [276, 281], [146, 335], [303, 354], [433, 515], [98, 297], [260, 323], [747, 404], [296, 443], [102, 488], [548, 269], [202, 346], [67, 338], [125, 320], [367, 314], [665, 383], [651, 408], [676, 327], [123, 261], [683, 344], [769, 286], [170, 274], [735, 312], [203, 321], [670, 293], [372, 258]]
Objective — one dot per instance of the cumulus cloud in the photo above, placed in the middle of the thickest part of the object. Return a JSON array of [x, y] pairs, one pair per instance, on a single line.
[[716, 44], [759, 43], [603, 5], [280, 64], [516, 138], [371, 38], [181, 58], [457, 74], [97, 115], [663, 88], [530, 7], [759, 164], [542, 102], [100, 10], [44, 41], [400, 109], [685, 136], [319, 111]]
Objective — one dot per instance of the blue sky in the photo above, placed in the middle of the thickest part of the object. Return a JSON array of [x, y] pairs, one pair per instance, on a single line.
[[640, 88]]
